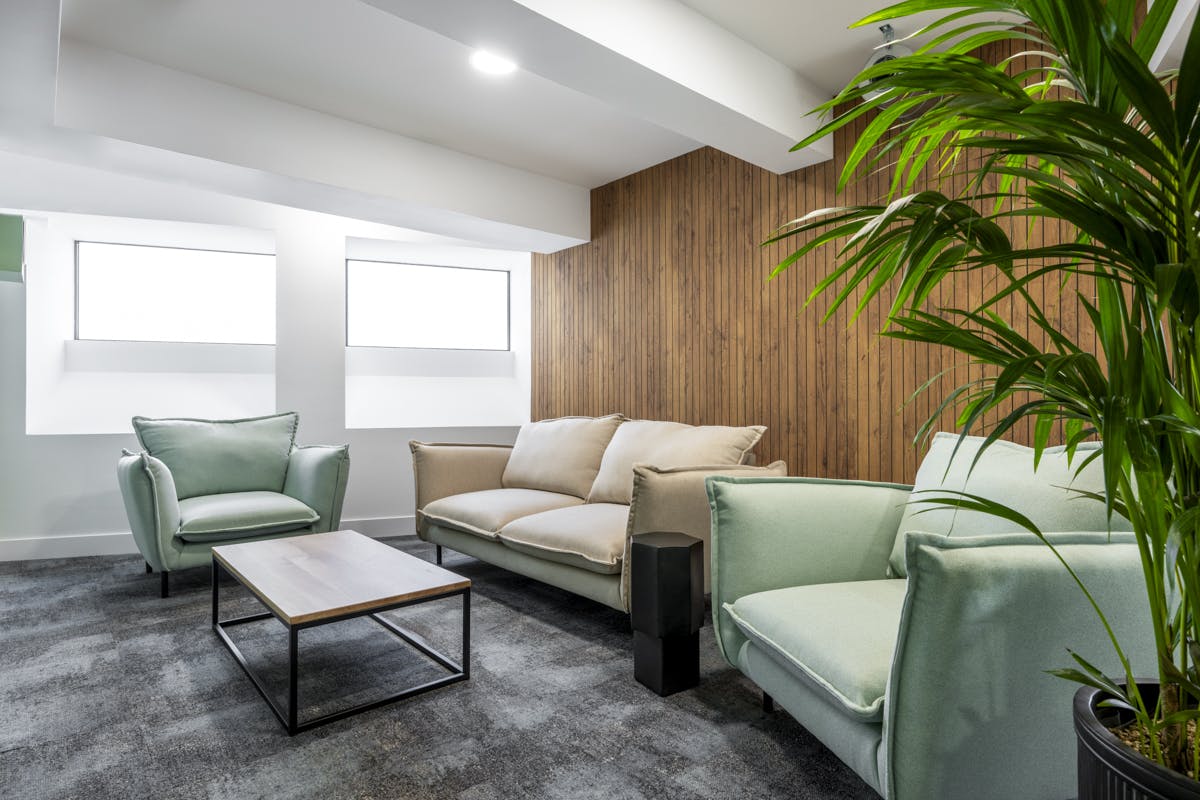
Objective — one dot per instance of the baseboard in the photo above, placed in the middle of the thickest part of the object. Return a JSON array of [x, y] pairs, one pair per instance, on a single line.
[[121, 543]]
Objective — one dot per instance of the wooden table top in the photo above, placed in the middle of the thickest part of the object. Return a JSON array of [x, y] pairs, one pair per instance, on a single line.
[[322, 575]]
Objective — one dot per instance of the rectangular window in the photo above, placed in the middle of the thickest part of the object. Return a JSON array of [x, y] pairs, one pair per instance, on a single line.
[[416, 305], [127, 292]]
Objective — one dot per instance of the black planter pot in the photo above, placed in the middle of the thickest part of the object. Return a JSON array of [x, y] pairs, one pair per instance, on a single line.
[[1108, 769]]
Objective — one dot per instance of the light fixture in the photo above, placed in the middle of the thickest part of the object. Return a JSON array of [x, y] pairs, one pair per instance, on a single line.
[[888, 51], [492, 64]]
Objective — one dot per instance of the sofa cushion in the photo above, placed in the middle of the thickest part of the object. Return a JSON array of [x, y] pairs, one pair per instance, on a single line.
[[840, 637], [560, 455], [666, 444], [217, 456], [485, 512], [590, 536], [216, 517], [1004, 474]]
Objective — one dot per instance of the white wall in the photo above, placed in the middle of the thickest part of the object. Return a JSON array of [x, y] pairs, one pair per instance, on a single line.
[[434, 388], [58, 491], [111, 375]]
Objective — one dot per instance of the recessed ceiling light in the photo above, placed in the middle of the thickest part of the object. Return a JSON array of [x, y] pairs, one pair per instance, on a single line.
[[492, 64]]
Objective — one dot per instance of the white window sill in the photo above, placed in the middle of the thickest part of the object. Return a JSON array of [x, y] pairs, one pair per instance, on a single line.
[[414, 362], [87, 355]]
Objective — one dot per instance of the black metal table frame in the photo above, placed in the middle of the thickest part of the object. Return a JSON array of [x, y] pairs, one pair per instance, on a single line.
[[289, 718]]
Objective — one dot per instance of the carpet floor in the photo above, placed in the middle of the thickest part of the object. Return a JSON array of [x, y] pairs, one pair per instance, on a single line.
[[108, 691]]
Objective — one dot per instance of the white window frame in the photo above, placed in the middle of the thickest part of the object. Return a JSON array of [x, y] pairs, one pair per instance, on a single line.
[[508, 315], [222, 348]]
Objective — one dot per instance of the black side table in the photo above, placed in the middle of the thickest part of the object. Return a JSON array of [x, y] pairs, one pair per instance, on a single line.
[[667, 609]]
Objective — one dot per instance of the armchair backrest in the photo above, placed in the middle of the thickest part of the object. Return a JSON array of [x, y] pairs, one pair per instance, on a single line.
[[219, 456], [1049, 497]]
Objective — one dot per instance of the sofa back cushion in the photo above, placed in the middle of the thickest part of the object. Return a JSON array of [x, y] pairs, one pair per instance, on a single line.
[[1005, 475], [667, 444], [560, 455], [218, 456]]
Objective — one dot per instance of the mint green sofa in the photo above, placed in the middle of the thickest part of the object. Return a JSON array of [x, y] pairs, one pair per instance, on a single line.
[[919, 658], [199, 483]]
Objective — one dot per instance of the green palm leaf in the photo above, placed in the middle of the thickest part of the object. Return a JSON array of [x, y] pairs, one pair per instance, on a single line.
[[1075, 131]]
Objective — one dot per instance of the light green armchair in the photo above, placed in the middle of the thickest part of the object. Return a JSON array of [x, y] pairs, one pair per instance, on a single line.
[[199, 483], [934, 686]]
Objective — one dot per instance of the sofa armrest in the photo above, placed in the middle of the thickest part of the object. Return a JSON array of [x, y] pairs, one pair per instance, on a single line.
[[984, 618], [675, 499], [152, 506], [317, 476], [772, 533], [442, 470]]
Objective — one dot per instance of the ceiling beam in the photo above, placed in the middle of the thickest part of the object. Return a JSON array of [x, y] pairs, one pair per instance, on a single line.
[[99, 109], [655, 59]]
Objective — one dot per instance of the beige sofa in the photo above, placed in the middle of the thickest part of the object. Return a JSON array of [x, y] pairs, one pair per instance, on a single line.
[[562, 502]]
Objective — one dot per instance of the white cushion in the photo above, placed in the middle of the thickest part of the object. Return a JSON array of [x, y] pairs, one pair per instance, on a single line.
[[560, 455], [484, 513], [590, 537], [666, 444]]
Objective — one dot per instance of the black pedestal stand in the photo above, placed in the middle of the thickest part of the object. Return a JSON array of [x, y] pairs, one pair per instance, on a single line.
[[667, 609]]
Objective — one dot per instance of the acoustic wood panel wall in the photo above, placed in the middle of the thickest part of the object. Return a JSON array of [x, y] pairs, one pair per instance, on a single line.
[[668, 314]]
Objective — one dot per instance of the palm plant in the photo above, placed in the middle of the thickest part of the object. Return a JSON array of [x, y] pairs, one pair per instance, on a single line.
[[1079, 133]]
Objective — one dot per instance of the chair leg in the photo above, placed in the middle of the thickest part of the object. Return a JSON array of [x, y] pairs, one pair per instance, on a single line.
[[438, 553], [164, 589], [768, 703], [149, 568]]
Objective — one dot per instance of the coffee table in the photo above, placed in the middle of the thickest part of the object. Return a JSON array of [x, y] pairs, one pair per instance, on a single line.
[[322, 578]]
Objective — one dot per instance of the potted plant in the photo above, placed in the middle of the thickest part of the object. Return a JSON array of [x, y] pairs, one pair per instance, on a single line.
[[1083, 135]]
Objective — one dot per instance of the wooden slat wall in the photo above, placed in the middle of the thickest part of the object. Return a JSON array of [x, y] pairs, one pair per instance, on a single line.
[[668, 314]]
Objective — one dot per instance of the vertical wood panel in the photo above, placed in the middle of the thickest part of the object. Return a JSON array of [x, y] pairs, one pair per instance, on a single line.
[[667, 314]]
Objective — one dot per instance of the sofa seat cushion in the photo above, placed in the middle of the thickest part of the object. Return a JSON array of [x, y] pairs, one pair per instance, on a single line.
[[590, 537], [484, 513], [840, 637], [217, 517]]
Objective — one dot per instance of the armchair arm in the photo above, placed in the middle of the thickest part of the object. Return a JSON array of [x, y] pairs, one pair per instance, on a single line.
[[441, 470], [316, 476], [984, 618], [151, 505], [771, 533], [674, 499]]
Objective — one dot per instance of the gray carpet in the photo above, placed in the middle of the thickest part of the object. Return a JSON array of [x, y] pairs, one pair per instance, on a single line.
[[108, 691]]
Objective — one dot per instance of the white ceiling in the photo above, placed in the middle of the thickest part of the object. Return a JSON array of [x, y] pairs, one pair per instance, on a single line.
[[368, 108], [353, 61], [813, 38]]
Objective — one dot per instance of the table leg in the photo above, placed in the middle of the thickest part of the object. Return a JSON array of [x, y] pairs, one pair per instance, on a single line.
[[466, 647], [293, 657], [216, 581]]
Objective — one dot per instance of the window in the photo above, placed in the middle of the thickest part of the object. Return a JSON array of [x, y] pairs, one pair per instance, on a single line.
[[415, 305], [127, 292]]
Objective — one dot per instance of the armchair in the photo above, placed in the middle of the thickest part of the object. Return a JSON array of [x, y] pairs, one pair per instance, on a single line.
[[198, 483], [934, 685]]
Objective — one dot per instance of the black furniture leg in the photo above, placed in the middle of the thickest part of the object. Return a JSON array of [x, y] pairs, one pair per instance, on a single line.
[[293, 658], [216, 601], [164, 590], [768, 703], [666, 609], [438, 554]]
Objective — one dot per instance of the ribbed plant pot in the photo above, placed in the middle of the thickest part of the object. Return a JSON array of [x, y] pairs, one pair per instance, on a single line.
[[1111, 770]]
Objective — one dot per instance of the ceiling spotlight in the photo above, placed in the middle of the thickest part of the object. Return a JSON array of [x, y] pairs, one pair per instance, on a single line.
[[492, 64]]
